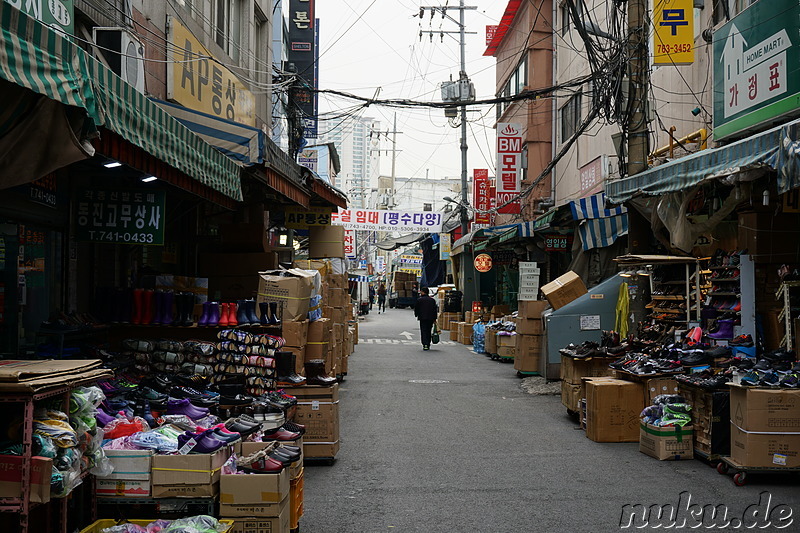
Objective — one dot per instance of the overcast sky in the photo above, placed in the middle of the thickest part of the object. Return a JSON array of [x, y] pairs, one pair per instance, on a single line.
[[371, 44]]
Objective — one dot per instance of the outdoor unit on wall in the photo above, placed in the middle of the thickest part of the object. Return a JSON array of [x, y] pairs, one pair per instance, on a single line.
[[123, 52]]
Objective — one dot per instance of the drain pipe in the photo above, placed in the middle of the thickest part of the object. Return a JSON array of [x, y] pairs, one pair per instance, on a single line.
[[554, 117]]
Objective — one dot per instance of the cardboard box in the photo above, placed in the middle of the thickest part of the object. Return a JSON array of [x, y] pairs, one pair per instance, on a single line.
[[529, 326], [657, 386], [612, 410], [528, 353], [490, 341], [291, 288], [324, 450], [263, 524], [318, 410], [11, 477], [465, 332], [256, 489], [502, 309], [532, 309], [197, 470], [764, 449], [455, 325], [564, 290], [209, 490], [572, 370], [326, 241], [295, 332], [454, 335], [506, 340], [666, 444], [506, 351], [235, 264], [121, 488], [232, 287], [765, 410], [570, 396], [130, 464]]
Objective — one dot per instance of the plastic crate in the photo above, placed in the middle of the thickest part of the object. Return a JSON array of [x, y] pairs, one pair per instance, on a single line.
[[99, 525]]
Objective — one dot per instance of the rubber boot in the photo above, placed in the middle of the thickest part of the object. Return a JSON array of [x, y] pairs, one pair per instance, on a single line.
[[203, 320], [725, 329], [214, 314], [250, 310], [284, 370], [138, 303], [158, 307], [148, 300], [273, 314], [264, 306], [222, 321], [232, 319], [315, 373], [241, 313], [187, 318]]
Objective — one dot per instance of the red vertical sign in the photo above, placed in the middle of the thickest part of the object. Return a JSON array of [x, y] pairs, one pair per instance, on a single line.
[[509, 158], [480, 192]]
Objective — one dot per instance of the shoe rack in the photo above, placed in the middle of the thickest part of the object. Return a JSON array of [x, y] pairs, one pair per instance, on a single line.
[[787, 291], [732, 292], [676, 293]]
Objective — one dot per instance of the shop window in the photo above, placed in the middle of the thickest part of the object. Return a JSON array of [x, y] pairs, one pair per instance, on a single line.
[[227, 26], [564, 18]]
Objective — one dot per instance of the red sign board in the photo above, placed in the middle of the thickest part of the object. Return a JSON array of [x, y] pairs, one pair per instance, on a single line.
[[480, 191], [483, 262], [491, 30], [509, 159]]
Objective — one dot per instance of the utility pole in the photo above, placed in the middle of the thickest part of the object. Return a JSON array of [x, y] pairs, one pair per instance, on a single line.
[[638, 81], [464, 94]]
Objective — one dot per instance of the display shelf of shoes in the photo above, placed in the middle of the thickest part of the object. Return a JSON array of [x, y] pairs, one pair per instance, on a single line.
[[178, 333]]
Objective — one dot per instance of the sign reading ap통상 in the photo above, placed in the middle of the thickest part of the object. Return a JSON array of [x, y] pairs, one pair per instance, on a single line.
[[381, 220]]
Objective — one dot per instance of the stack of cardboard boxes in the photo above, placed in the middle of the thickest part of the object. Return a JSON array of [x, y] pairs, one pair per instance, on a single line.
[[188, 476], [403, 284], [529, 344], [573, 371], [318, 411], [256, 503], [613, 407], [765, 427]]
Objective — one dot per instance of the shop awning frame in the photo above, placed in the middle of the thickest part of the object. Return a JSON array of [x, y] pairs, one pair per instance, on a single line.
[[776, 149]]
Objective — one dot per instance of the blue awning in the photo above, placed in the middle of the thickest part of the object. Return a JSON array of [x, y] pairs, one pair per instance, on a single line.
[[777, 149], [599, 227]]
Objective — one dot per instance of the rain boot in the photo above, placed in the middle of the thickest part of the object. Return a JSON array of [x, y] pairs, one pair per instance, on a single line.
[[252, 317], [222, 321], [284, 370], [214, 314], [138, 302], [241, 313], [203, 320], [273, 314], [264, 306], [315, 373], [127, 296], [147, 306], [158, 304], [187, 317], [232, 311], [724, 329], [167, 302]]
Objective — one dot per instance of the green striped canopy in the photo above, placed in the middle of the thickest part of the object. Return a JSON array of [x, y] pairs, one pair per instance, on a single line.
[[45, 61]]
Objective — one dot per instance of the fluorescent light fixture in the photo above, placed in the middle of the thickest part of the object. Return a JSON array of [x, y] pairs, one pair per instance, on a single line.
[[626, 273], [642, 272], [148, 179], [112, 164], [283, 239]]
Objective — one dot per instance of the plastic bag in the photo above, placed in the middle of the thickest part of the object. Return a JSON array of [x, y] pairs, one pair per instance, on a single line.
[[315, 308], [435, 334], [479, 337], [54, 424]]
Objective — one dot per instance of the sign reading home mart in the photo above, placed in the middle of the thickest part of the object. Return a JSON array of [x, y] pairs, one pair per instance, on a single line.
[[131, 217], [756, 67], [58, 14], [382, 220]]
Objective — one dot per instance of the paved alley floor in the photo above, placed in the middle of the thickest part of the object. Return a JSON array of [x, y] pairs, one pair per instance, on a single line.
[[446, 441]]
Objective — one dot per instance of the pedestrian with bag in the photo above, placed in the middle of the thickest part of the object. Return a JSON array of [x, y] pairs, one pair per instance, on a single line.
[[426, 310], [382, 298]]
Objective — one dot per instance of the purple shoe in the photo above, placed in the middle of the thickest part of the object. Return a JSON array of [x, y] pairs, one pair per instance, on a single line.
[[206, 441], [184, 407], [102, 417]]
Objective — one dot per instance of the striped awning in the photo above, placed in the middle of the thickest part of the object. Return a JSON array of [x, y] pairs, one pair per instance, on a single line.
[[44, 61], [242, 143], [360, 278], [599, 227], [775, 149]]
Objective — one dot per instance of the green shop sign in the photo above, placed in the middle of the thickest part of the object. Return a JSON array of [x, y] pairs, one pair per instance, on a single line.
[[756, 61], [131, 217], [58, 14]]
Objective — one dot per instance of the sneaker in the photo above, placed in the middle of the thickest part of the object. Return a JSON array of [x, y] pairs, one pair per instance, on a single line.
[[762, 365], [790, 381], [769, 379], [750, 379], [745, 341]]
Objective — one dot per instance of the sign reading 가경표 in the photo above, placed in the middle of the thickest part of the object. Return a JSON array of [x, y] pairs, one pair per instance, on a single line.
[[198, 82]]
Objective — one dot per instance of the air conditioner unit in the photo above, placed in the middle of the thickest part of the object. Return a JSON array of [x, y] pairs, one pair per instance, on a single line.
[[123, 52]]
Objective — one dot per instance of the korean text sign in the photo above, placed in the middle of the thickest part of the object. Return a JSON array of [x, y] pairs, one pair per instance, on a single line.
[[382, 220], [509, 158], [203, 84], [673, 28], [133, 217], [305, 218], [481, 201]]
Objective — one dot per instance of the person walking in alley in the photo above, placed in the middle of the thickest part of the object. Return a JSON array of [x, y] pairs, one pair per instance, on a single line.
[[382, 298], [371, 296], [426, 310]]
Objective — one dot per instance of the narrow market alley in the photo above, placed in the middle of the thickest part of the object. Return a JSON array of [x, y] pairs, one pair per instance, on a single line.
[[447, 440]]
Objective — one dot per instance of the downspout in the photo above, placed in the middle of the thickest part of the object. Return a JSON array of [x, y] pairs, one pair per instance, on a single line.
[[554, 117]]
